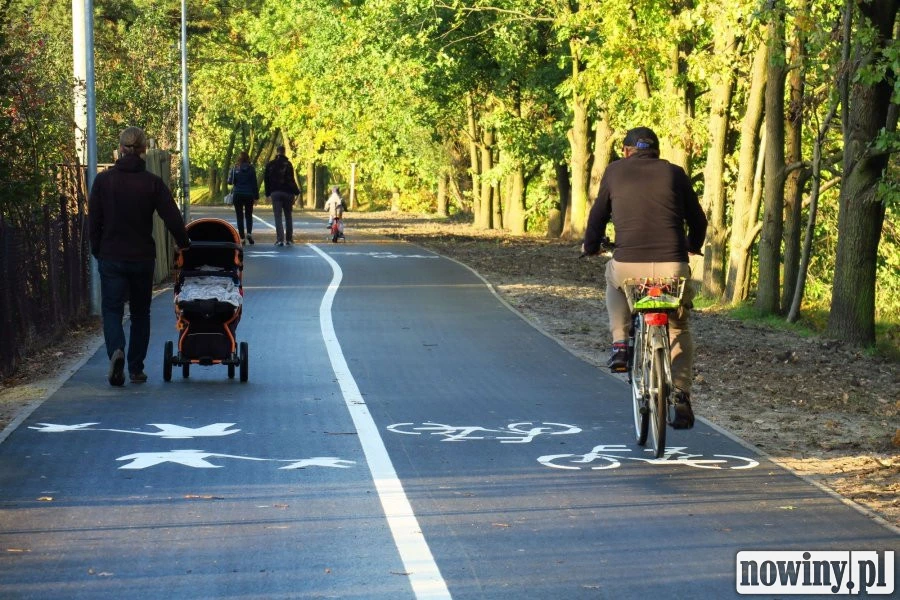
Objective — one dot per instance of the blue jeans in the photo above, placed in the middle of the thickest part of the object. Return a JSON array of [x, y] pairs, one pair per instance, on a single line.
[[126, 281]]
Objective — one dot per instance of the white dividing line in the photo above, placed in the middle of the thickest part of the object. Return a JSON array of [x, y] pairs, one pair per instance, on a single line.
[[263, 221], [424, 575]]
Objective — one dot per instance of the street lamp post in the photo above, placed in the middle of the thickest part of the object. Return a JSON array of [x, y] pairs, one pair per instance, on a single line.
[[86, 111], [352, 186], [185, 160]]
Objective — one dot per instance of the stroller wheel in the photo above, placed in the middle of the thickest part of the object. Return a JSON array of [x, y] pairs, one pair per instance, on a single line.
[[230, 371], [186, 370], [167, 361], [245, 366]]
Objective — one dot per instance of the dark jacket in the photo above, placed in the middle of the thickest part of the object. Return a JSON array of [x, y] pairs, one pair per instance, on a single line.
[[120, 212], [649, 201], [279, 176], [243, 178]]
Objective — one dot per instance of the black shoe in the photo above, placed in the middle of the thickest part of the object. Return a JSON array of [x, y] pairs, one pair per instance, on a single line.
[[684, 414], [618, 358], [289, 243], [250, 239], [139, 377], [116, 374], [279, 244]]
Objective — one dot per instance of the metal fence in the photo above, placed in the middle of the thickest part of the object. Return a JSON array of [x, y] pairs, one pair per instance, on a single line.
[[44, 272], [45, 265]]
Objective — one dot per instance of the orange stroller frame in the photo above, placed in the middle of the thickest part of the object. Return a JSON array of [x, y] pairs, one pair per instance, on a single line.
[[207, 326]]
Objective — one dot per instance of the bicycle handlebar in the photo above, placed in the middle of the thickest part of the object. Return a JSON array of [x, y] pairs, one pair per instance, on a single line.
[[606, 248]]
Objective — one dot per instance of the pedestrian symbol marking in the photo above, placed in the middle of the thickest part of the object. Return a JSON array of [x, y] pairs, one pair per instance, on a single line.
[[197, 459], [188, 458], [321, 461], [166, 430]]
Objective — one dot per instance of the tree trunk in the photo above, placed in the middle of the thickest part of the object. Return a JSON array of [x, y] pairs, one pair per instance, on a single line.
[[516, 220], [217, 185], [443, 207], [474, 163], [803, 269], [768, 295], [861, 213], [486, 204], [498, 200], [578, 140], [741, 218], [672, 146], [310, 184], [714, 173], [603, 145], [556, 221], [796, 179]]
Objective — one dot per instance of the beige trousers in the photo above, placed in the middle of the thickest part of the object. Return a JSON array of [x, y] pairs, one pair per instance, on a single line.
[[680, 339]]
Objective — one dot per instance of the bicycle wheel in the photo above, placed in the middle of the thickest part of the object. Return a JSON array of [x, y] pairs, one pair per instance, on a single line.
[[659, 396], [636, 374]]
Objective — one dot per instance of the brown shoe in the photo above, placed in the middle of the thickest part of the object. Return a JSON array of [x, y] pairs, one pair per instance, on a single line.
[[139, 377]]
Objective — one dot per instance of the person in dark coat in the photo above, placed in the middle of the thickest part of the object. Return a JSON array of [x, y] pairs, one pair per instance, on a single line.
[[281, 189], [244, 193], [120, 212], [659, 222]]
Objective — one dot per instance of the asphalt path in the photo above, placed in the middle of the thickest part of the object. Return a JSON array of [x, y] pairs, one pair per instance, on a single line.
[[403, 434]]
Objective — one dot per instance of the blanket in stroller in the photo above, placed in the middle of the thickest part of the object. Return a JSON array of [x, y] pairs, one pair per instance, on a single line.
[[221, 289]]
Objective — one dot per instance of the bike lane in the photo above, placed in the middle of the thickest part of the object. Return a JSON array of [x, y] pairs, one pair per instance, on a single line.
[[202, 487], [519, 462]]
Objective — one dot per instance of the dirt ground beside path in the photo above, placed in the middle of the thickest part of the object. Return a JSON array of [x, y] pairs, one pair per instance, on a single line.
[[823, 409]]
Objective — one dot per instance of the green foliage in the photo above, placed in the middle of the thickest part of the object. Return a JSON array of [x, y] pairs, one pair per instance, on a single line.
[[35, 108]]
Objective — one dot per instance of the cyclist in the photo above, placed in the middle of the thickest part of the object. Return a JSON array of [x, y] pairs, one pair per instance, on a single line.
[[334, 205], [650, 201]]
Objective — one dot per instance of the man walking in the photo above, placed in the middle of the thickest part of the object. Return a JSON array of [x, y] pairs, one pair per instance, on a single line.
[[281, 189], [120, 212]]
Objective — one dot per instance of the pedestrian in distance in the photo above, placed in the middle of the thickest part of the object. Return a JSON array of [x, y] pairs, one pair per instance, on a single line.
[[244, 193], [651, 203], [281, 190], [120, 215]]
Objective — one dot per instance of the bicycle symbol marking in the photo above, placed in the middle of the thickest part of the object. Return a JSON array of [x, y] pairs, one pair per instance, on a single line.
[[610, 456], [514, 433]]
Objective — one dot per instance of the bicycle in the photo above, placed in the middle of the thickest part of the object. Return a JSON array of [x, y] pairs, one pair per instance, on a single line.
[[652, 300], [337, 229], [611, 456]]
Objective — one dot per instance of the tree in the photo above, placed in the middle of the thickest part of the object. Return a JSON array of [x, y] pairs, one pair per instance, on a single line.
[[744, 220], [769, 288], [871, 92]]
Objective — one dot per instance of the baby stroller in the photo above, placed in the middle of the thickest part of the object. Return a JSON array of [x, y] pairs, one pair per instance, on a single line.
[[208, 301]]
